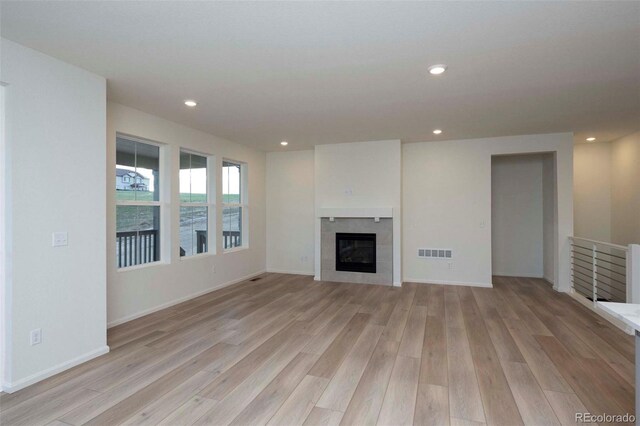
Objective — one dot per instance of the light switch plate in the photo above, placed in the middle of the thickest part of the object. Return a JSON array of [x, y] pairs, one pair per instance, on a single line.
[[60, 239]]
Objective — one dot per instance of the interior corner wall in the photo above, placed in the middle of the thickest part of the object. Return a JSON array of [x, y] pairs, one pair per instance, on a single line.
[[4, 312], [446, 191], [517, 210], [141, 290], [592, 190], [290, 212], [56, 157], [625, 190], [549, 214]]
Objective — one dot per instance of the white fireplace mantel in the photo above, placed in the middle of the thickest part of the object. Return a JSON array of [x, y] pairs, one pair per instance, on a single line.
[[357, 212]]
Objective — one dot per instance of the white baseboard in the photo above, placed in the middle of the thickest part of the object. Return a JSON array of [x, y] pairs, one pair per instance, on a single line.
[[523, 275], [283, 271], [542, 277], [180, 300], [458, 283], [45, 374]]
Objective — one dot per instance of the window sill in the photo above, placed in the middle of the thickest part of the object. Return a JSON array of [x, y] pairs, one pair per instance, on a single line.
[[143, 266], [235, 249], [197, 256]]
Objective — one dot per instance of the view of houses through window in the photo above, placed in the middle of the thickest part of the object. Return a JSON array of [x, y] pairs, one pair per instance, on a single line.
[[138, 213], [137, 202]]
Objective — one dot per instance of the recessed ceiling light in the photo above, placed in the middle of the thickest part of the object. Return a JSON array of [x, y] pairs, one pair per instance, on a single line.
[[437, 131], [190, 103], [284, 143], [591, 139], [437, 69]]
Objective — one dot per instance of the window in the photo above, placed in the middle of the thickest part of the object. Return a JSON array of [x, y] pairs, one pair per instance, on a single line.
[[234, 208], [195, 204], [137, 202]]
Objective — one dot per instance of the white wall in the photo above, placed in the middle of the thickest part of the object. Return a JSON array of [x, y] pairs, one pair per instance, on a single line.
[[592, 183], [606, 194], [549, 214], [447, 203], [357, 175], [141, 290], [625, 195], [56, 126], [4, 317], [517, 216], [446, 196], [290, 212]]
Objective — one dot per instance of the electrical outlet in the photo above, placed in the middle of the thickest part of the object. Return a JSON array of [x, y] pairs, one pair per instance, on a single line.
[[213, 269], [59, 239], [35, 337], [450, 265]]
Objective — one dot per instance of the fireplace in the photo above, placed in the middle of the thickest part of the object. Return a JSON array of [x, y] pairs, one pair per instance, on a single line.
[[356, 252]]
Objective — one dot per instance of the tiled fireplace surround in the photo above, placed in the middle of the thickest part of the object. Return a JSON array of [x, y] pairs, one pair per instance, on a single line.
[[383, 228]]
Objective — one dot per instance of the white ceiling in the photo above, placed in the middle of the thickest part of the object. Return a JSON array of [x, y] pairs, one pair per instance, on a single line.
[[315, 73]]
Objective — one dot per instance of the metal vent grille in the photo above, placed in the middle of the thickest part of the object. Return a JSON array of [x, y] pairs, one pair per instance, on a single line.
[[434, 253]]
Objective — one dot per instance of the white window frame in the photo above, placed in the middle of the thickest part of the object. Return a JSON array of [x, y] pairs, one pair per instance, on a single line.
[[162, 203], [210, 204], [243, 204]]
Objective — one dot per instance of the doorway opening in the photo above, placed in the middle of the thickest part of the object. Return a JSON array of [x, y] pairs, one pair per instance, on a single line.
[[524, 216]]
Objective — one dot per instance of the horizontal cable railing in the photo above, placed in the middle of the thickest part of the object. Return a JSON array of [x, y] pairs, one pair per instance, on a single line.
[[599, 270]]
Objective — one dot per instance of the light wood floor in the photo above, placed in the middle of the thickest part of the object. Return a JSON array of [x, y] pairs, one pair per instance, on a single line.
[[285, 350]]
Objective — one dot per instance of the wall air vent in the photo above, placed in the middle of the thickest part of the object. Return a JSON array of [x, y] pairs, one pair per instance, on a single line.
[[435, 253]]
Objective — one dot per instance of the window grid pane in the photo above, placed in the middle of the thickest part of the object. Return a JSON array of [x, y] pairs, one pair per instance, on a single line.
[[193, 189], [231, 183], [232, 211], [198, 178], [193, 230], [137, 235], [137, 181], [232, 227]]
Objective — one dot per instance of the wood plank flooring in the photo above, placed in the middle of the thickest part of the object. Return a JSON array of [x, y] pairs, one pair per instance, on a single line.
[[285, 350]]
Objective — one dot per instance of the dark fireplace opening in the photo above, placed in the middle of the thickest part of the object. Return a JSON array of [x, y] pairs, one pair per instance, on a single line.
[[356, 252]]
